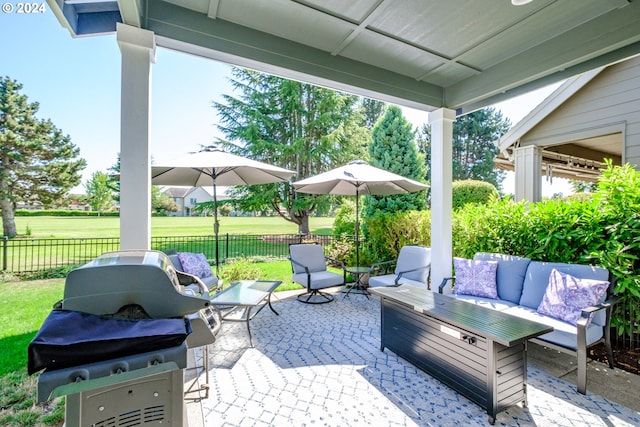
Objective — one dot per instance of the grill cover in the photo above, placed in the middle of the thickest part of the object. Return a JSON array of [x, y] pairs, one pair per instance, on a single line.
[[70, 338]]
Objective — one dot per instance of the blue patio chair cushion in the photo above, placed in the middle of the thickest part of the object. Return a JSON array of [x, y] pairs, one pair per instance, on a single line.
[[311, 256], [414, 257], [319, 279]]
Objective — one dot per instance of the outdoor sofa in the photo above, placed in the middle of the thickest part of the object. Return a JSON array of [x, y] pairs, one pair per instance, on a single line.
[[521, 286]]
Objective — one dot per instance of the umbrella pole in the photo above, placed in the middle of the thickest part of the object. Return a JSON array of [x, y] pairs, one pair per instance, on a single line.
[[216, 225], [357, 230]]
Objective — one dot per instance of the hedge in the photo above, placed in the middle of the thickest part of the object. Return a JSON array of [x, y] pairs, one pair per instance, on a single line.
[[600, 230], [61, 212]]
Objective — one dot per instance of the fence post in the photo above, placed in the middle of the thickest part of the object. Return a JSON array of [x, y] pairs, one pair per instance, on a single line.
[[5, 243]]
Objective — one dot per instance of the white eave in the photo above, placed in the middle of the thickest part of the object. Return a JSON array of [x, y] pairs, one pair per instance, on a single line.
[[546, 107]]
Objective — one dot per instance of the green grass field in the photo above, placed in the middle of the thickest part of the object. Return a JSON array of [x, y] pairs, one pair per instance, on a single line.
[[79, 227]]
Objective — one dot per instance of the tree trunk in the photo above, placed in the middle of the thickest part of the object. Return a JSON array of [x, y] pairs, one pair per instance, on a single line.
[[303, 226], [8, 218]]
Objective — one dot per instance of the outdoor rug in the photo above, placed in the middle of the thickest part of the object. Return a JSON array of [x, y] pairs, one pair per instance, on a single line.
[[322, 366]]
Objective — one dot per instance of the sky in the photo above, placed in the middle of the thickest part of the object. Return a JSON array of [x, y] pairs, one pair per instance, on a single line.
[[77, 85]]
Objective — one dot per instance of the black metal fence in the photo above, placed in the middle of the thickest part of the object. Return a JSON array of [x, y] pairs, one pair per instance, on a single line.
[[35, 255], [41, 255]]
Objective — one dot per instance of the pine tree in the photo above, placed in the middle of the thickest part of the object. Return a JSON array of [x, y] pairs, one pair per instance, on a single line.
[[393, 148], [38, 164], [474, 148], [293, 125]]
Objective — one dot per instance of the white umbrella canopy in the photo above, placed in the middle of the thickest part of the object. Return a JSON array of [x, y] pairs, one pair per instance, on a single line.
[[356, 178], [213, 166], [202, 168]]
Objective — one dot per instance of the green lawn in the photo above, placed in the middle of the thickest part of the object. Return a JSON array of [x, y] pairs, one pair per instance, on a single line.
[[23, 308], [78, 227]]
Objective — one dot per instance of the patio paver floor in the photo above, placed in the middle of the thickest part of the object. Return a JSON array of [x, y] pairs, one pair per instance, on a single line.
[[321, 366]]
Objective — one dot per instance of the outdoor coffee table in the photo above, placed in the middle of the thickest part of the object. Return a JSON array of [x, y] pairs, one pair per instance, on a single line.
[[358, 272], [238, 301], [479, 352]]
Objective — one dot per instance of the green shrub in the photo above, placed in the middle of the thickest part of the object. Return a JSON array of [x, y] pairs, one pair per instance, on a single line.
[[345, 222], [618, 198], [600, 230], [240, 269], [470, 191], [387, 233]]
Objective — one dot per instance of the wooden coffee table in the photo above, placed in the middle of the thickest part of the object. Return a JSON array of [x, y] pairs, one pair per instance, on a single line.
[[238, 301], [479, 352]]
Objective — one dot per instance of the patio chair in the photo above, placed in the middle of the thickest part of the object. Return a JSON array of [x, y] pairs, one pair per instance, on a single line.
[[309, 266], [411, 268], [187, 279]]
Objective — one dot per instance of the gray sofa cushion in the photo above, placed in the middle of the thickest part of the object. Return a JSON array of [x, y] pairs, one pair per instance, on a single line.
[[510, 275], [537, 278], [563, 334]]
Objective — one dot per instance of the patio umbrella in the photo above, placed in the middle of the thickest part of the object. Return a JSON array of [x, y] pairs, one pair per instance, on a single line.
[[354, 179], [213, 166]]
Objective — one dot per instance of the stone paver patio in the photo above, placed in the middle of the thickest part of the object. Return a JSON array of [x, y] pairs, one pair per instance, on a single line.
[[322, 366]]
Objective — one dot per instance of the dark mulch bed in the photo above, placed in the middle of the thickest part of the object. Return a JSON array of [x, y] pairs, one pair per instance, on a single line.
[[625, 358]]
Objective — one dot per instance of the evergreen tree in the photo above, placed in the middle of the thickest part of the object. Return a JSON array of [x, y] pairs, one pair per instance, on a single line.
[[474, 137], [114, 179], [292, 125], [371, 111], [393, 148], [37, 162]]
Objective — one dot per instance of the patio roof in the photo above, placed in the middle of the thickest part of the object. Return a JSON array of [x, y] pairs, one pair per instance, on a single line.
[[456, 54]]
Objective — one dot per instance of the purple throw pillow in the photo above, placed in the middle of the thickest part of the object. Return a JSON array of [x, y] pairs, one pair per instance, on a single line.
[[475, 277], [567, 295], [195, 264]]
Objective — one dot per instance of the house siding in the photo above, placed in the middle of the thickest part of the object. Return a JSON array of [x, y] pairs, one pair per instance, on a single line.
[[610, 100]]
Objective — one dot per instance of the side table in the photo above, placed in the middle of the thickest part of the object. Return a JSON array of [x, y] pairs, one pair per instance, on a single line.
[[360, 287]]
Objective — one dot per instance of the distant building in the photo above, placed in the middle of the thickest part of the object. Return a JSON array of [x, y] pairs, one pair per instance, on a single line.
[[187, 198]]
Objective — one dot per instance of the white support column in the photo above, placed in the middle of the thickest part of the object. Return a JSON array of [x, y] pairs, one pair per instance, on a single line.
[[528, 169], [441, 122], [138, 50]]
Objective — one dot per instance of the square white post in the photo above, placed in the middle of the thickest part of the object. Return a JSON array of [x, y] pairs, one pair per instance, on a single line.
[[528, 169], [441, 122], [138, 49]]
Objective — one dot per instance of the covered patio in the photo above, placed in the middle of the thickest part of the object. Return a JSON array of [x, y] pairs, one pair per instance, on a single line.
[[322, 365], [446, 58]]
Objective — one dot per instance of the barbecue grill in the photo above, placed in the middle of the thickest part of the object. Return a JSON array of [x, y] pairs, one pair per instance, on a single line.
[[116, 345]]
